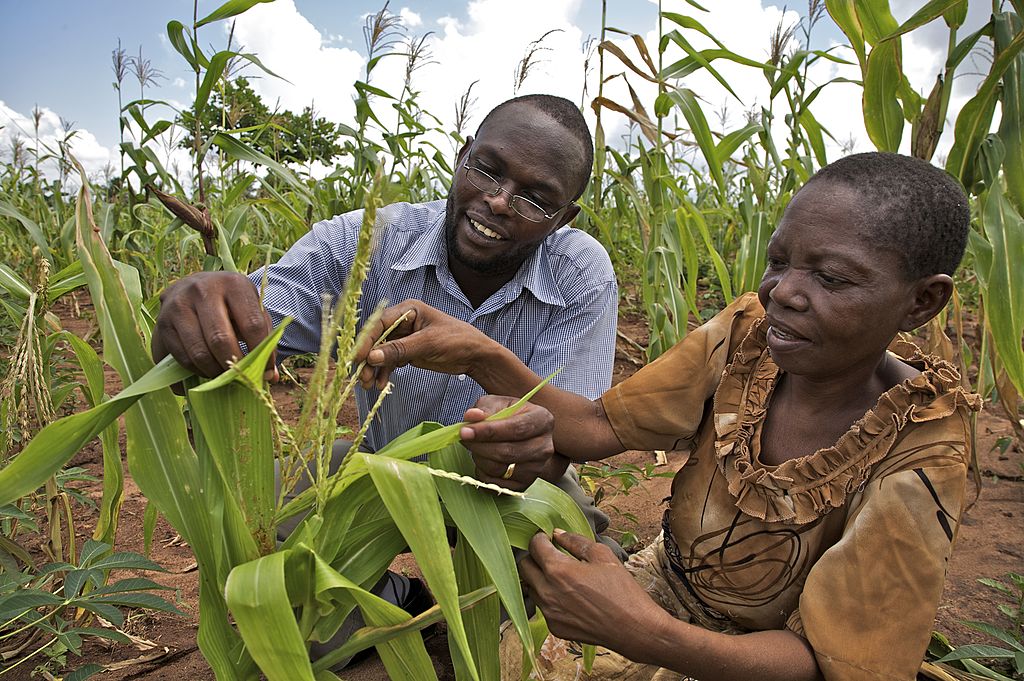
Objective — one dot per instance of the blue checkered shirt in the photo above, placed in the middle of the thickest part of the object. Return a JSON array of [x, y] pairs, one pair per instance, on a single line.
[[558, 311]]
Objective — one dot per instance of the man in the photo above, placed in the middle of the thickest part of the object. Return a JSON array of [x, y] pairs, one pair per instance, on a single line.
[[493, 256]]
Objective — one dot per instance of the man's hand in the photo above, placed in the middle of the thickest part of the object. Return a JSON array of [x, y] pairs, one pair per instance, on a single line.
[[523, 439], [588, 596], [426, 338], [202, 318]]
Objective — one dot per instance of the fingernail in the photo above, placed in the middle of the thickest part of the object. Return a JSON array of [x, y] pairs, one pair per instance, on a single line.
[[467, 433], [375, 357], [557, 531]]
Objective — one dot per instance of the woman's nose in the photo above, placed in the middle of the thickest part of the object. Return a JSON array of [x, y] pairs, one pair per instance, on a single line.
[[788, 290]]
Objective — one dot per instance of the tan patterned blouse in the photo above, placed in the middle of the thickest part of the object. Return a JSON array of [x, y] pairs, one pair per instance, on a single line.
[[847, 546]]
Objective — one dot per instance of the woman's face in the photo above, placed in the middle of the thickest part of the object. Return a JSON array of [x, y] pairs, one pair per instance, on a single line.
[[834, 302]]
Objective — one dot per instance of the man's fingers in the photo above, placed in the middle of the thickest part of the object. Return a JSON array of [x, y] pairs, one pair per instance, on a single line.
[[528, 423], [192, 351], [248, 317], [219, 333]]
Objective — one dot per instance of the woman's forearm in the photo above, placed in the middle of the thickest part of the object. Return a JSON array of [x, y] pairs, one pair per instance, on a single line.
[[582, 431], [778, 655]]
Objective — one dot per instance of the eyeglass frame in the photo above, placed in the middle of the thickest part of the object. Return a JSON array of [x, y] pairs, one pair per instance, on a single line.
[[513, 198]]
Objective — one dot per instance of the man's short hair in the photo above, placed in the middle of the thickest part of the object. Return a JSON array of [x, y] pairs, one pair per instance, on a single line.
[[908, 206], [568, 115]]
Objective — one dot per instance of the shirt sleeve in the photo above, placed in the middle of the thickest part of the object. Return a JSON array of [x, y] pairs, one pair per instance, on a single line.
[[580, 340], [868, 604], [662, 405], [316, 266]]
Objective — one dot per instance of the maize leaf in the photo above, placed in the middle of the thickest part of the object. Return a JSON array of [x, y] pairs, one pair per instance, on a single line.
[[113, 476], [481, 621], [370, 636], [258, 598], [55, 444], [479, 523], [402, 654], [410, 494], [160, 457], [236, 426], [883, 116], [1004, 282]]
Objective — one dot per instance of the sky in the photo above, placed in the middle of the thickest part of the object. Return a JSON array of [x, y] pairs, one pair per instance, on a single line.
[[57, 57]]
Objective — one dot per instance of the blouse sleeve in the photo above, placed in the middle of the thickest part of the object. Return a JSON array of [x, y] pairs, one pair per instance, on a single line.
[[869, 602], [662, 405]]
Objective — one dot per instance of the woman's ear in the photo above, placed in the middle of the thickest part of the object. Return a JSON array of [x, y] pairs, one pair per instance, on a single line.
[[930, 295]]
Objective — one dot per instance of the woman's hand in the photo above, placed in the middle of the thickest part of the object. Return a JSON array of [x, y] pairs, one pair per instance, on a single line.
[[588, 596]]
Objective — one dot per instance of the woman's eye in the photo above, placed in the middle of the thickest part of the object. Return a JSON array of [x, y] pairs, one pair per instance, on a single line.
[[829, 280]]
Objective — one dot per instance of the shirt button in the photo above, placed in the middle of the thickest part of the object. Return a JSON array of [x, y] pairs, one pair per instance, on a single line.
[[462, 377]]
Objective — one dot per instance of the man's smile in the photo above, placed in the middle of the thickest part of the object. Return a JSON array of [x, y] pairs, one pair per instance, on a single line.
[[482, 229]]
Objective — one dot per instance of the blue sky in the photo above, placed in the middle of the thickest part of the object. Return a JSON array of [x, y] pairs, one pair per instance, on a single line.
[[57, 55], [62, 47]]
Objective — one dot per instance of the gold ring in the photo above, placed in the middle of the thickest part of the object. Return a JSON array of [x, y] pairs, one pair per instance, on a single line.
[[508, 471]]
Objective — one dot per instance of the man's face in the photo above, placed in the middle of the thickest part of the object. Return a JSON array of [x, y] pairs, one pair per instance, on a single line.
[[530, 154]]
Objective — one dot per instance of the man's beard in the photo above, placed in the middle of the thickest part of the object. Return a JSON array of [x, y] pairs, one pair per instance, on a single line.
[[503, 263]]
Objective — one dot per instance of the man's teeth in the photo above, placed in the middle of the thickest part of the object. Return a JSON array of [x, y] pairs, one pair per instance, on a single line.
[[483, 230]]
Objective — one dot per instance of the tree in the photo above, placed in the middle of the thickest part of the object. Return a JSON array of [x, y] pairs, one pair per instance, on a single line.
[[282, 135]]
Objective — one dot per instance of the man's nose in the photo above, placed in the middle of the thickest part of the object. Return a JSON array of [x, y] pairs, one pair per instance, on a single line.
[[500, 202]]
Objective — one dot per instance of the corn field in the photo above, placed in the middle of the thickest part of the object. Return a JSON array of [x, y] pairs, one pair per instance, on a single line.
[[684, 208]]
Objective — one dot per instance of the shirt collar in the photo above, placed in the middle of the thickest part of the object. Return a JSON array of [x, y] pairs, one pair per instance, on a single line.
[[534, 274]]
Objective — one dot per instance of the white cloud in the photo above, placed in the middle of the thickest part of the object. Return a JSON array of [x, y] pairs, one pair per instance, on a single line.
[[19, 128], [289, 45], [179, 82], [409, 18]]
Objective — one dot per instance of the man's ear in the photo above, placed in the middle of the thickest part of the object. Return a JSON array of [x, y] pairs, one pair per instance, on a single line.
[[930, 296], [570, 214], [463, 151]]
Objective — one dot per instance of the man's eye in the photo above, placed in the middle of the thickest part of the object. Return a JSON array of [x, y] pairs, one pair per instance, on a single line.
[[775, 264]]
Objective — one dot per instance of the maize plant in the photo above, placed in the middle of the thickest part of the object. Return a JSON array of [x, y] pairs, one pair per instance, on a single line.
[[261, 604]]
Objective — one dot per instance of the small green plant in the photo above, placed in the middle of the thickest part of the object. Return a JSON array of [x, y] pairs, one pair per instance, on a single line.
[[47, 613], [1007, 659]]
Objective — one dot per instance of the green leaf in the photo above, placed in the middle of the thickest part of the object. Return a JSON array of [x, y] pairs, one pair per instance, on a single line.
[[883, 116], [391, 630], [35, 232], [241, 151], [259, 601], [931, 11], [1004, 282], [176, 34], [408, 491], [13, 284], [876, 19], [475, 514], [686, 101], [229, 9], [55, 444], [975, 118], [844, 13], [1011, 121]]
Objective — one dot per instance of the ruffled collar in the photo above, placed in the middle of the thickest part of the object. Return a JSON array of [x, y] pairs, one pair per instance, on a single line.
[[802, 490]]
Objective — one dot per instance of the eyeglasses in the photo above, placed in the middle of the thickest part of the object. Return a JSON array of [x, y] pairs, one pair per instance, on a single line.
[[523, 206]]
